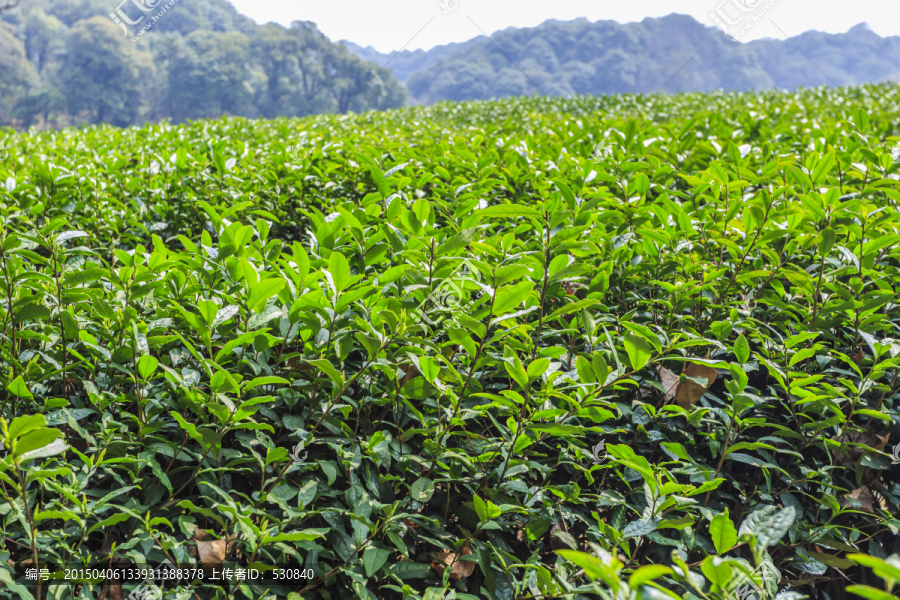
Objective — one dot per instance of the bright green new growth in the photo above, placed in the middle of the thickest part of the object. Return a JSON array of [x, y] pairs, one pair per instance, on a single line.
[[453, 350]]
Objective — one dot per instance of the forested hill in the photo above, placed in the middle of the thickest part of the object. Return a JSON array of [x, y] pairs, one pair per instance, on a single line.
[[607, 57], [200, 59], [65, 63]]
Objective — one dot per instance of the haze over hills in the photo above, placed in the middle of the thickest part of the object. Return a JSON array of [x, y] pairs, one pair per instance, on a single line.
[[607, 57], [408, 62]]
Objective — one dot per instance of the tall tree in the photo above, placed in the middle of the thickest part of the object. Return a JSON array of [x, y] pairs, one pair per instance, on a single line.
[[169, 72], [291, 60], [17, 75], [107, 86], [205, 84], [44, 37], [358, 85]]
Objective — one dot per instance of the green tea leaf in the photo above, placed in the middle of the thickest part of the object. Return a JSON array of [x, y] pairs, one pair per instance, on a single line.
[[147, 366], [17, 387], [639, 350], [261, 292], [742, 349], [723, 532], [422, 489], [508, 211], [340, 271], [374, 559]]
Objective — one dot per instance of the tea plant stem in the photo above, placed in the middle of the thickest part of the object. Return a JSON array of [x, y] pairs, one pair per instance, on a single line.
[[734, 274], [319, 581], [512, 444], [328, 408], [882, 395], [462, 392], [200, 462], [722, 458], [23, 495], [812, 326], [171, 462], [62, 328], [348, 384], [9, 306], [430, 273], [844, 430], [543, 286]]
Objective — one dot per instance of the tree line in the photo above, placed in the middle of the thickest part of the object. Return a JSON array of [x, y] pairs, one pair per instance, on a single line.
[[69, 64]]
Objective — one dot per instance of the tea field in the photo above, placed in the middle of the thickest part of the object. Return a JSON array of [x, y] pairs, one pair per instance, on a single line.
[[631, 347]]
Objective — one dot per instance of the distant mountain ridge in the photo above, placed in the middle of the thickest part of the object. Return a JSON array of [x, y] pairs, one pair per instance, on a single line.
[[408, 62], [675, 53]]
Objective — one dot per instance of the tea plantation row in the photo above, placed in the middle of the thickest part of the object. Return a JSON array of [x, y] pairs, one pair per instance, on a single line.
[[626, 347]]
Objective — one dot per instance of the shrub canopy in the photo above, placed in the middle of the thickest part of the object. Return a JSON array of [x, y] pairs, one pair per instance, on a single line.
[[599, 347]]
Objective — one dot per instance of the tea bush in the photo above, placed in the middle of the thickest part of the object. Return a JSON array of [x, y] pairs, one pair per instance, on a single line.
[[626, 347]]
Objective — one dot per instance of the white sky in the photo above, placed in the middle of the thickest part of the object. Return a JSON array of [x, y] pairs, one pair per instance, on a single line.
[[388, 25]]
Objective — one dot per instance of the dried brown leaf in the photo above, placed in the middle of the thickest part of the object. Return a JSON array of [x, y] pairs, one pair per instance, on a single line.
[[851, 455], [232, 543], [296, 363], [570, 286], [458, 568], [410, 374], [669, 381], [862, 495], [559, 524], [211, 552], [115, 591], [645, 389], [688, 392], [200, 535], [563, 540], [112, 590]]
